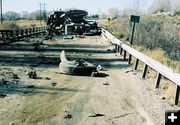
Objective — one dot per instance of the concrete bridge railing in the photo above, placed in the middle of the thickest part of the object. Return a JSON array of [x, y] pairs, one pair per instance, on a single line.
[[161, 70]]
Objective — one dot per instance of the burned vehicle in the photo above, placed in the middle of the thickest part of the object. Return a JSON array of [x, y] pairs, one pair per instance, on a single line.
[[71, 22]]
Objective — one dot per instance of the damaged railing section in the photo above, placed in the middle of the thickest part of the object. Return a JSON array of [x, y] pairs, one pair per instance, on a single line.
[[161, 70], [21, 33]]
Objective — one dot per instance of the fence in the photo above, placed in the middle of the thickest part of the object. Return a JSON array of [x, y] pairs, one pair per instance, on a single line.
[[18, 34]]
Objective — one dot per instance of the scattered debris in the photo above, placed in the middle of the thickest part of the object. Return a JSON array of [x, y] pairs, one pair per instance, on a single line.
[[165, 87], [88, 34], [109, 50], [99, 68], [15, 81], [68, 116], [37, 48], [80, 36], [97, 115], [48, 62], [123, 115], [53, 83], [11, 123], [94, 74], [3, 82], [68, 37], [15, 76], [107, 84], [47, 78], [75, 67], [48, 37], [34, 65], [163, 98], [128, 70], [30, 86], [114, 50], [32, 74], [89, 54], [2, 95]]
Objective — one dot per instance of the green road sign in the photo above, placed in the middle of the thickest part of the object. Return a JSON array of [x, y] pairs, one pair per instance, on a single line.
[[135, 19]]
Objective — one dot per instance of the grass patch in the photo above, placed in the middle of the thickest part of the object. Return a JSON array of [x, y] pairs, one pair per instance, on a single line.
[[20, 24], [9, 26], [160, 56], [159, 47]]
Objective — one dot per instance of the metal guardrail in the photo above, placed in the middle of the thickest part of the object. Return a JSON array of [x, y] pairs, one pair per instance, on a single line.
[[148, 62], [18, 34]]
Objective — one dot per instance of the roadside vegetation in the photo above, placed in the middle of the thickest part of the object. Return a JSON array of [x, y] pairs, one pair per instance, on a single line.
[[157, 37], [20, 24]]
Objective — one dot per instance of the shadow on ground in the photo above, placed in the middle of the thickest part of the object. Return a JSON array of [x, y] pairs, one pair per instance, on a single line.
[[31, 90]]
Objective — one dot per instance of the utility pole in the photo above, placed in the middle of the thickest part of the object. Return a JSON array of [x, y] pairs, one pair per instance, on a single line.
[[40, 15], [44, 15], [99, 12], [42, 11], [137, 7], [1, 11]]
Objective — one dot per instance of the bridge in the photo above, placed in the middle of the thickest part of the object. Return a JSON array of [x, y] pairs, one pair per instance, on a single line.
[[117, 95]]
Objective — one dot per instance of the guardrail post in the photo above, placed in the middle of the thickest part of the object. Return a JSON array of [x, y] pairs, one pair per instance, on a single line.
[[22, 32], [30, 31], [136, 64], [177, 95], [11, 34], [41, 29], [14, 35], [130, 58], [7, 35], [26, 31], [124, 55], [118, 48], [121, 51], [33, 30], [145, 71], [36, 29], [17, 33], [2, 34], [158, 79]]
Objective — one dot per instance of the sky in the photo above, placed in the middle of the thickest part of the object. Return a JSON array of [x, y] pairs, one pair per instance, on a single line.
[[92, 6]]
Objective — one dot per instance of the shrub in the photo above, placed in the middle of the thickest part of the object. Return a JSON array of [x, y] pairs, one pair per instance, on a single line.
[[118, 34]]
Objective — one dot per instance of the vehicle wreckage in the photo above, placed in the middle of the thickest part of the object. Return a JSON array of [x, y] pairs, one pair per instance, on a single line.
[[71, 22], [76, 67]]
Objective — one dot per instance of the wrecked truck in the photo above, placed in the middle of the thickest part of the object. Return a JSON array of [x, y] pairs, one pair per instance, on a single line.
[[71, 22]]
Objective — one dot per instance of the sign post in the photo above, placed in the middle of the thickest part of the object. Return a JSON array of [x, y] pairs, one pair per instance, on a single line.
[[134, 19]]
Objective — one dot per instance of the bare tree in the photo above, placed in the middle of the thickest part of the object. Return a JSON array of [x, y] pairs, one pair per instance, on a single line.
[[25, 15], [128, 12], [113, 12], [10, 15], [160, 6], [176, 7]]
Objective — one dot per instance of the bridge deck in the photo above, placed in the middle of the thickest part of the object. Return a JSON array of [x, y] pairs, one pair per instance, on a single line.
[[123, 98]]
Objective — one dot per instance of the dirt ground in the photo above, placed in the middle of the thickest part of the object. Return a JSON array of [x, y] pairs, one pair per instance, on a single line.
[[117, 96]]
